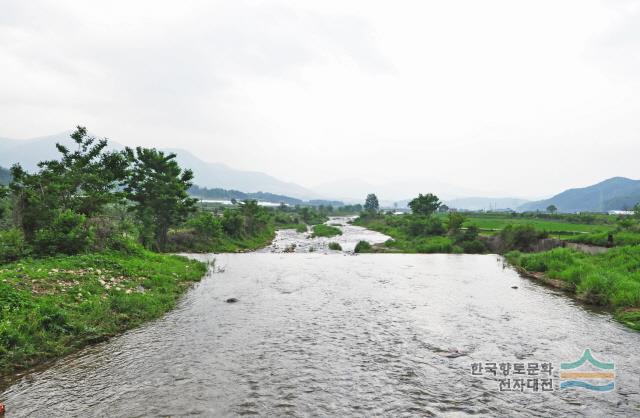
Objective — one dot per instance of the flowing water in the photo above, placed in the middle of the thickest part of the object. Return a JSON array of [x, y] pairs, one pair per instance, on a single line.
[[335, 334]]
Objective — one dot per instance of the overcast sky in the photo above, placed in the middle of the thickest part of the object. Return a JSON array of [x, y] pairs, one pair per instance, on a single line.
[[521, 98]]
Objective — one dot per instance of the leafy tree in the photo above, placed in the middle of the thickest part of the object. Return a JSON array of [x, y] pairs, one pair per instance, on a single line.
[[425, 205], [67, 234], [455, 221], [636, 210], [82, 181], [371, 204], [206, 225], [159, 188], [552, 209], [255, 216], [233, 223]]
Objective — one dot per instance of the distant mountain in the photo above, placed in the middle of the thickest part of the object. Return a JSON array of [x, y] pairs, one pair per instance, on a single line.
[[485, 203], [221, 176], [617, 193], [30, 152], [5, 176], [213, 175]]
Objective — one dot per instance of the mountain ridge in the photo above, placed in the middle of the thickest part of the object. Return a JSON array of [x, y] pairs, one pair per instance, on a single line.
[[615, 193]]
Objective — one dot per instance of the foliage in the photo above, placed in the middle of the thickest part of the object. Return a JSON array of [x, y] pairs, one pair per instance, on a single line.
[[322, 230], [611, 278], [82, 181], [620, 238], [371, 204], [425, 205], [520, 237], [67, 234], [335, 246], [158, 187], [455, 220], [12, 245], [418, 226], [362, 247], [52, 306], [552, 209]]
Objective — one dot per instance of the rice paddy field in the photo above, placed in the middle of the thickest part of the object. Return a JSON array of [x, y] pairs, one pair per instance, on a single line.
[[490, 223]]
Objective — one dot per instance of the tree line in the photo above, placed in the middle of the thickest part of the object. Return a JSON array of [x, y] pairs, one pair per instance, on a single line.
[[61, 207]]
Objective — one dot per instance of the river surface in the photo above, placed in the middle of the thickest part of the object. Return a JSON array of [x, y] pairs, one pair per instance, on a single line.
[[335, 334]]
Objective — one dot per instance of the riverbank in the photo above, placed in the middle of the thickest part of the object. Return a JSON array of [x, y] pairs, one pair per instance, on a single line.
[[610, 279], [54, 306]]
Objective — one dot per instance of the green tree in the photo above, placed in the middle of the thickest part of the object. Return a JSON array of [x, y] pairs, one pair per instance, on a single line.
[[636, 210], [455, 221], [159, 188], [552, 209], [425, 205], [82, 181], [371, 204]]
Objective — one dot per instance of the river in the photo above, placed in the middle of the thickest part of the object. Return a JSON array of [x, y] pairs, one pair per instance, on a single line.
[[329, 333]]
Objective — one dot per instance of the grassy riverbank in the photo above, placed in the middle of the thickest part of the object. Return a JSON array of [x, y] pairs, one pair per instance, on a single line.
[[610, 279], [412, 234], [53, 306]]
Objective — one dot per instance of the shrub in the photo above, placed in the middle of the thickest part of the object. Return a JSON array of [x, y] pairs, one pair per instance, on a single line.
[[423, 226], [67, 234], [335, 246], [322, 230], [205, 224], [435, 245], [473, 247], [362, 247], [520, 237], [233, 223], [12, 245]]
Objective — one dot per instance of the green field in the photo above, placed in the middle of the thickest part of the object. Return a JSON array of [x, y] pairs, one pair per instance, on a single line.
[[489, 223]]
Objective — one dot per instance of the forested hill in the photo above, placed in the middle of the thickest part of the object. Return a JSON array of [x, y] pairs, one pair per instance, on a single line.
[[224, 194]]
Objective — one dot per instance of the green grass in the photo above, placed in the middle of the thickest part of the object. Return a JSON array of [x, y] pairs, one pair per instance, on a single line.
[[322, 230], [620, 238], [190, 241], [491, 224], [50, 307], [403, 243], [609, 279]]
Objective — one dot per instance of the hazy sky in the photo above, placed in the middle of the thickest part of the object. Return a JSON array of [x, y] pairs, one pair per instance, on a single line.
[[509, 97]]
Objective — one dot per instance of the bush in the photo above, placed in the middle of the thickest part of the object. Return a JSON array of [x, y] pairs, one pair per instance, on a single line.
[[362, 247], [423, 226], [205, 224], [323, 230], [473, 247], [520, 237], [435, 245], [67, 234], [335, 246], [12, 245], [233, 223]]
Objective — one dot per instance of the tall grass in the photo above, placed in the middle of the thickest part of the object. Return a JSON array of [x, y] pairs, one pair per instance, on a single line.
[[609, 279], [52, 306]]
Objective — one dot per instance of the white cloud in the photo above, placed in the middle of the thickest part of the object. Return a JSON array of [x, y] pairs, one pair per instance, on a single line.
[[521, 98]]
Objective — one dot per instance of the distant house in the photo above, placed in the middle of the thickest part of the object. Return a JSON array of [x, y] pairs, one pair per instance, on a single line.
[[621, 212]]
